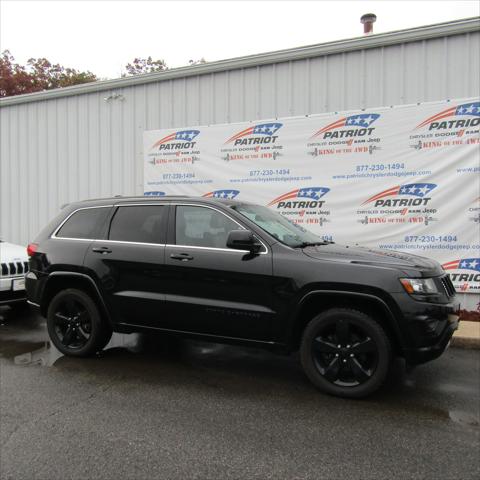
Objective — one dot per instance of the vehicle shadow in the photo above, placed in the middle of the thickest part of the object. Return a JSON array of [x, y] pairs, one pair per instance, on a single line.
[[159, 359]]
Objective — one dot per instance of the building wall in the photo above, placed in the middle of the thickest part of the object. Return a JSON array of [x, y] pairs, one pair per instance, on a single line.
[[57, 149]]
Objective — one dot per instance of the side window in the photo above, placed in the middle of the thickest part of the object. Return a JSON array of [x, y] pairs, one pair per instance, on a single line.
[[86, 223], [139, 223], [202, 227]]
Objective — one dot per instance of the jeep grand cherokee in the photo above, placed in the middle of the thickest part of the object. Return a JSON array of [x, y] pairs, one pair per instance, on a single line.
[[235, 272]]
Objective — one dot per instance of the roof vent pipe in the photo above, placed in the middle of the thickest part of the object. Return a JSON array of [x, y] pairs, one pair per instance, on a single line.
[[368, 20]]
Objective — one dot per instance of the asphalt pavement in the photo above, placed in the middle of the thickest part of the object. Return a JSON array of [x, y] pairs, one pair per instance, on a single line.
[[153, 407]]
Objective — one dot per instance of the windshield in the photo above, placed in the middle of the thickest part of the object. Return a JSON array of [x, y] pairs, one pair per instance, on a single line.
[[279, 227]]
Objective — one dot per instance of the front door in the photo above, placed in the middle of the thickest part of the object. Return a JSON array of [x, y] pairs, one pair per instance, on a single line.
[[212, 289]]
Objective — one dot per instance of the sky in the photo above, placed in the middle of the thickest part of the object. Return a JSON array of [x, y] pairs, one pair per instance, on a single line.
[[103, 36]]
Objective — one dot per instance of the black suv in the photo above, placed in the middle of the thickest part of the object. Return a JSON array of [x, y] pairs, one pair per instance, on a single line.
[[235, 272]]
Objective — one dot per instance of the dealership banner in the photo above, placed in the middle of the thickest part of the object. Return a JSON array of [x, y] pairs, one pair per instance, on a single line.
[[401, 178]]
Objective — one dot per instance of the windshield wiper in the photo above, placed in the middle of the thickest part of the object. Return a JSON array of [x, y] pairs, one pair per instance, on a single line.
[[311, 244]]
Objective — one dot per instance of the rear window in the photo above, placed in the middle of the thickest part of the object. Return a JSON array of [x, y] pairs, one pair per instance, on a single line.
[[86, 224], [139, 223]]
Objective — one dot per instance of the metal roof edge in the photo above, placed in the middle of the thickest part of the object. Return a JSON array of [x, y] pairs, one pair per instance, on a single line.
[[298, 53]]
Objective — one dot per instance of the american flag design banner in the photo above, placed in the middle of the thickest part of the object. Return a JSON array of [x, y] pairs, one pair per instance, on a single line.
[[401, 178]]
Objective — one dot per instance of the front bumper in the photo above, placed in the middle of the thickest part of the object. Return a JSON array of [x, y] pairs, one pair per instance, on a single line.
[[419, 355], [427, 327], [7, 294]]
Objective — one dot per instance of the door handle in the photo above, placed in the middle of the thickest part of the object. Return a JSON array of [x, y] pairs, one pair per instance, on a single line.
[[103, 250], [184, 257]]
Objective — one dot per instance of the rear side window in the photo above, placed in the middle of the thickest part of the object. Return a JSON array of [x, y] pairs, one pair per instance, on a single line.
[[141, 223], [86, 224]]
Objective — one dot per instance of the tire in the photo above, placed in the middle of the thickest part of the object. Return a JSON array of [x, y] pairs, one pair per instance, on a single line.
[[75, 325], [345, 352]]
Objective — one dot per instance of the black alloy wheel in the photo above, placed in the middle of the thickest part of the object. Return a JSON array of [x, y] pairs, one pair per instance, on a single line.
[[75, 325], [345, 352], [72, 323]]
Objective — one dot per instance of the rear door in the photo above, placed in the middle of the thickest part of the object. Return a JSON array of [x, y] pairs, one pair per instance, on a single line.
[[75, 233], [130, 264], [212, 289]]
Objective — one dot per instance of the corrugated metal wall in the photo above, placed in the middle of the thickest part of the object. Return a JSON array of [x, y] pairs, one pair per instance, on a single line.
[[63, 149]]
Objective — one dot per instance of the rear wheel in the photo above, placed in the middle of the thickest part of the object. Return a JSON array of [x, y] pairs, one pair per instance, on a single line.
[[345, 352], [75, 324]]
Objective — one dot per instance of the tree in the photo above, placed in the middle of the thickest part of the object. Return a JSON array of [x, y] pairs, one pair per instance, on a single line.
[[39, 74], [197, 62], [14, 79], [144, 65]]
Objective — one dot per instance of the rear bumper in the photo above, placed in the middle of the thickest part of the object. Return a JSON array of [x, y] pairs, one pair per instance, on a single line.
[[34, 306]]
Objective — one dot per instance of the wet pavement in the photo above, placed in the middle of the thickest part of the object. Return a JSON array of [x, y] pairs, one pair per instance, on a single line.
[[154, 407]]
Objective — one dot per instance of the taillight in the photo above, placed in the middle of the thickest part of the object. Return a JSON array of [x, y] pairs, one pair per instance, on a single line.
[[32, 248]]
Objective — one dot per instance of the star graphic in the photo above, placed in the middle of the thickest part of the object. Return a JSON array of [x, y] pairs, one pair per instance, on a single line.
[[461, 109], [231, 195], [222, 195], [412, 189], [350, 121], [463, 264], [403, 190], [310, 192], [369, 120], [271, 129], [358, 120], [470, 109], [319, 193], [423, 190], [478, 109], [473, 264]]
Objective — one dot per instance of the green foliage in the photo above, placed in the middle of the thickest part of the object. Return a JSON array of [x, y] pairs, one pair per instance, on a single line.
[[144, 65]]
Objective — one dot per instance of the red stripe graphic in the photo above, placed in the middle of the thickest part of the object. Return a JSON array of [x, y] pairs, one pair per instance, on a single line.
[[385, 193], [164, 140], [451, 265], [438, 116], [338, 123], [285, 196], [247, 131]]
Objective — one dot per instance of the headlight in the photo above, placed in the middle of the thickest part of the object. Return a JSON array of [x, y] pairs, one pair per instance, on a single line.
[[420, 286]]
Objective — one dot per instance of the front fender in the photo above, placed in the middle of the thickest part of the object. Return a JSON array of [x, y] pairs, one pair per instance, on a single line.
[[320, 299]]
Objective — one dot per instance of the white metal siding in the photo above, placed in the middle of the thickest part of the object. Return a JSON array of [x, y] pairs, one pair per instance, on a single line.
[[62, 149]]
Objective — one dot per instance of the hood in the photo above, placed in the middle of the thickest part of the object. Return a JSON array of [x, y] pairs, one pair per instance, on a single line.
[[379, 258], [12, 253]]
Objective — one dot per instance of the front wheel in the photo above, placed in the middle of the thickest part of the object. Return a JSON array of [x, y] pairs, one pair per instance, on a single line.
[[345, 352], [75, 324]]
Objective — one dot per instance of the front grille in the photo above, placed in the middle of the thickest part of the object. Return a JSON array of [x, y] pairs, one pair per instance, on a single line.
[[11, 269], [448, 286]]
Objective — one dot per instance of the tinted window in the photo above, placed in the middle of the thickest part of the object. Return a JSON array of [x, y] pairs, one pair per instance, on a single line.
[[142, 223], [85, 223], [277, 225], [202, 227]]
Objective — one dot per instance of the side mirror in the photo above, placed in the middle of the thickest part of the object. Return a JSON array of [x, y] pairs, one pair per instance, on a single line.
[[243, 240]]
